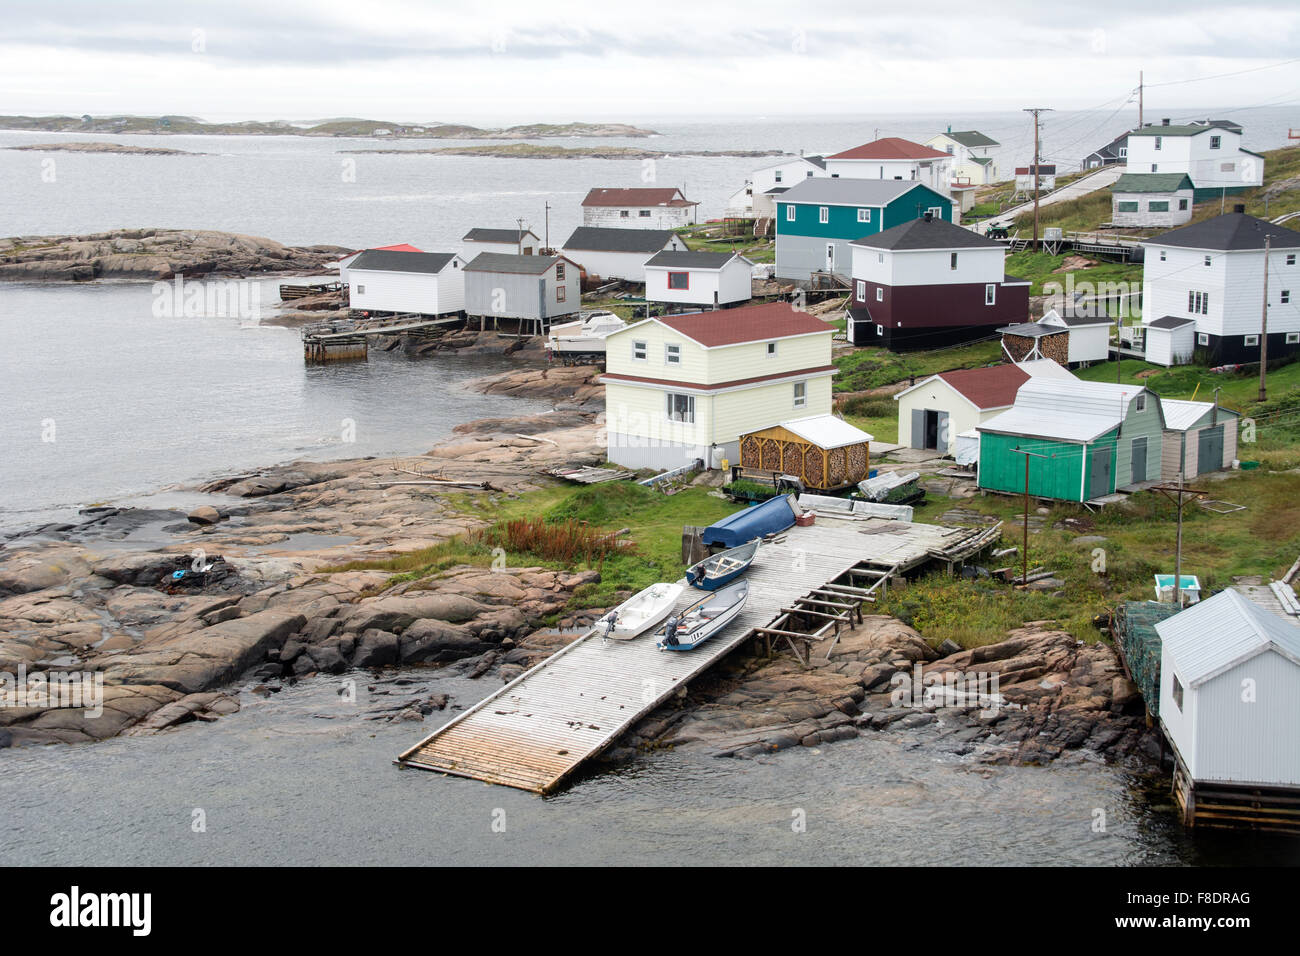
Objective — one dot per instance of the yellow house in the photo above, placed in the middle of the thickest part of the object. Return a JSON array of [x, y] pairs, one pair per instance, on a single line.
[[682, 387]]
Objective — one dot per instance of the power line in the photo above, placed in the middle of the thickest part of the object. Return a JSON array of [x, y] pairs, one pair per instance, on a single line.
[[1219, 76]]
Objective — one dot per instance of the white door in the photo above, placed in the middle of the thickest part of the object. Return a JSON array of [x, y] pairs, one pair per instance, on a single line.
[[830, 257]]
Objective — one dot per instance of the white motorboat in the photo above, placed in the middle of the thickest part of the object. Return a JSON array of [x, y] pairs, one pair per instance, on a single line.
[[639, 613], [585, 337]]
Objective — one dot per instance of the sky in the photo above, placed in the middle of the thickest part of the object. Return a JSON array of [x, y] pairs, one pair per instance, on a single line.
[[561, 61]]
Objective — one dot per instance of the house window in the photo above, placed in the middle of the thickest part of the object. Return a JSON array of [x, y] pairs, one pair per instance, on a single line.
[[1198, 303], [1214, 141], [864, 215], [936, 212], [1182, 205], [1292, 338], [771, 350], [1178, 692], [681, 408], [1123, 152], [559, 293], [1159, 141], [1286, 296], [880, 258], [1207, 260], [361, 290], [800, 394], [1127, 207], [823, 214], [1139, 402], [861, 291], [952, 261], [625, 213], [679, 280], [1250, 340], [779, 175], [640, 351], [880, 330], [1154, 167], [880, 295], [990, 293], [1290, 259], [1163, 255], [1158, 205], [672, 355], [1202, 338], [644, 214], [789, 213], [559, 272]]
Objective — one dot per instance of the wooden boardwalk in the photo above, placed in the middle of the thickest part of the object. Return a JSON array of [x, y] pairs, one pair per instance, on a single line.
[[540, 728]]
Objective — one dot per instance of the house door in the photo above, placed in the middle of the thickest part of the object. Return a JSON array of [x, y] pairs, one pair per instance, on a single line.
[[929, 428], [1139, 460], [1100, 481], [1209, 449], [715, 301], [830, 257]]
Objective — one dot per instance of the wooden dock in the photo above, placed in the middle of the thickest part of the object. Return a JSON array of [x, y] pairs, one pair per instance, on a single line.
[[347, 339], [536, 731]]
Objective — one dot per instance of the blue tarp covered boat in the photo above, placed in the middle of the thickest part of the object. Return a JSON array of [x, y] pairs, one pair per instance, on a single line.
[[772, 516]]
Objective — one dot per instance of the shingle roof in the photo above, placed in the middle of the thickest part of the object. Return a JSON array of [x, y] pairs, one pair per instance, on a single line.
[[392, 260], [1044, 169], [613, 239], [516, 265], [890, 147], [972, 137], [985, 388], [1212, 637], [927, 234], [496, 235], [1151, 183], [637, 196], [1231, 232], [848, 192], [1170, 322], [751, 323], [692, 260]]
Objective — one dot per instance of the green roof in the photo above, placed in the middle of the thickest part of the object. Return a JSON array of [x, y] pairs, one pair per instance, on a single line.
[[972, 137], [982, 160], [1151, 183]]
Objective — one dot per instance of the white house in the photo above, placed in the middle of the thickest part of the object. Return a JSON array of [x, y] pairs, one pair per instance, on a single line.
[[1046, 178], [637, 208], [780, 176], [429, 283], [1089, 339], [893, 158], [1213, 272], [934, 411], [1151, 199], [1170, 340], [1208, 151], [702, 280], [1230, 693], [606, 252], [682, 387], [972, 156], [510, 242], [345, 263]]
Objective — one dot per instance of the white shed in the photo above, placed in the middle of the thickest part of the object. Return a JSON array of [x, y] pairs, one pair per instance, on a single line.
[[699, 279], [1230, 692], [1089, 339], [508, 242], [1170, 340], [428, 283]]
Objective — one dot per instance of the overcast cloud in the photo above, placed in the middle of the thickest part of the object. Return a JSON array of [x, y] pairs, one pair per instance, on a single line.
[[559, 61]]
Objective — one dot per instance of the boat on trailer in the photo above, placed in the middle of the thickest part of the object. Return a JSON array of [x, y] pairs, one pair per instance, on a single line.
[[722, 568], [641, 612], [703, 619]]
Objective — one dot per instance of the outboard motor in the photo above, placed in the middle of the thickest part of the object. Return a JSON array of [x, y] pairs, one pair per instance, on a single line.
[[670, 632], [609, 620]]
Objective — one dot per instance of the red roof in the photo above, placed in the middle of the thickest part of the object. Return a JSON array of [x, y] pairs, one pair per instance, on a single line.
[[400, 247], [641, 196], [994, 387], [751, 323], [891, 147], [1044, 169]]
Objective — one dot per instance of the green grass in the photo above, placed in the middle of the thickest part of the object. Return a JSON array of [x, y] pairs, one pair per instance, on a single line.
[[867, 368], [876, 416], [712, 237], [1040, 267], [1140, 542]]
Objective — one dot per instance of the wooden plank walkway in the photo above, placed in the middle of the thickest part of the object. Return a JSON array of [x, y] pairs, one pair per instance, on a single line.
[[540, 728]]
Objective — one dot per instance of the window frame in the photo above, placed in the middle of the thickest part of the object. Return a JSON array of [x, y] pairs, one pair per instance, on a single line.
[[823, 215], [679, 288], [789, 212], [800, 394], [673, 353], [991, 293], [688, 412], [860, 290], [864, 215], [642, 346], [1247, 343]]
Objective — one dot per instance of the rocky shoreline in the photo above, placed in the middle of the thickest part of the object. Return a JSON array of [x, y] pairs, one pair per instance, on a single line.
[[529, 151], [157, 254], [85, 597], [105, 148]]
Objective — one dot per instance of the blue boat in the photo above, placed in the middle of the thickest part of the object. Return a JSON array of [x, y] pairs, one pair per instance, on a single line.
[[703, 619], [721, 569], [771, 517]]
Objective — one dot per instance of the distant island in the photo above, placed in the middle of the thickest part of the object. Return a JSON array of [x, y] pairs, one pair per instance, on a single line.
[[532, 151], [107, 148], [176, 125]]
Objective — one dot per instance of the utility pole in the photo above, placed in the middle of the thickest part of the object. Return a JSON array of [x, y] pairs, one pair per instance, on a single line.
[[1036, 110], [1119, 344], [519, 237], [1140, 90], [1024, 549], [547, 228], [1170, 491], [1263, 327]]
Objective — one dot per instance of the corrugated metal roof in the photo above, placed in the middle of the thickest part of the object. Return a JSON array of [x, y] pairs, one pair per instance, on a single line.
[[1066, 410], [826, 431], [848, 192], [1221, 632], [1046, 368]]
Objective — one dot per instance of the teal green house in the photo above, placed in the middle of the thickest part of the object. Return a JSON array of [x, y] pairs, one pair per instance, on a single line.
[[1084, 439], [818, 218]]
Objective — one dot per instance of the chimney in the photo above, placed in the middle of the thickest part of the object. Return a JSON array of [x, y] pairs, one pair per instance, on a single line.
[[1239, 207], [949, 129], [1165, 121]]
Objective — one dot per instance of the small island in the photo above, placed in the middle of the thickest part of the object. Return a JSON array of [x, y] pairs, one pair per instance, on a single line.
[[534, 151], [86, 147]]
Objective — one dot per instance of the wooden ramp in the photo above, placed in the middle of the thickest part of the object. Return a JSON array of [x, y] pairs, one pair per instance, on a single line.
[[538, 729]]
